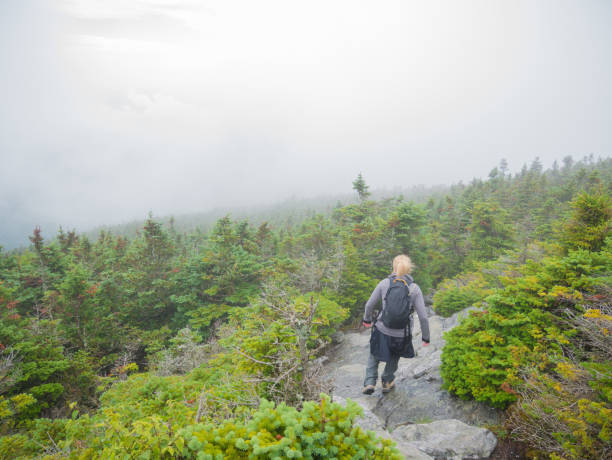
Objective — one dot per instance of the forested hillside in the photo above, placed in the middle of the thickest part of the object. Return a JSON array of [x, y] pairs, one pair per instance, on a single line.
[[175, 344]]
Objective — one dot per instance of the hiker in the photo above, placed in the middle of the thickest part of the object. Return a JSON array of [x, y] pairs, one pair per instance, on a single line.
[[392, 330]]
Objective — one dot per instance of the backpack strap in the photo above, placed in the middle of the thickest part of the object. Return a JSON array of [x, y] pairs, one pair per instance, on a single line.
[[392, 279], [407, 279]]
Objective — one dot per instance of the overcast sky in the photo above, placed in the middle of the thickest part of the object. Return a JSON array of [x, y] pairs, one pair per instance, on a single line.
[[112, 108]]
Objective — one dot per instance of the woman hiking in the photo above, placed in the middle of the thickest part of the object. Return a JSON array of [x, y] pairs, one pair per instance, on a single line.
[[392, 330]]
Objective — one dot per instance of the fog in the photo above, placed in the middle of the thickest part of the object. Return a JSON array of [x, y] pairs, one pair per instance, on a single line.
[[112, 108]]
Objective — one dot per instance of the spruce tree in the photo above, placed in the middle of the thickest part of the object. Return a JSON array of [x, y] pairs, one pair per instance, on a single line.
[[359, 185], [590, 222]]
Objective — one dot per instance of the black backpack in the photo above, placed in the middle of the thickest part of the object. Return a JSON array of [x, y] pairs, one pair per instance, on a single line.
[[398, 303]]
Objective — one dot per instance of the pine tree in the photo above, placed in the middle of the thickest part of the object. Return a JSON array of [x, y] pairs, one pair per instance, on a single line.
[[590, 222], [503, 167], [359, 185], [490, 234]]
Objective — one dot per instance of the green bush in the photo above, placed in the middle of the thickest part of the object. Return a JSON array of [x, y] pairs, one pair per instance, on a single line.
[[267, 346], [275, 339], [589, 224], [483, 354], [519, 328], [454, 299], [321, 430], [566, 412], [459, 293]]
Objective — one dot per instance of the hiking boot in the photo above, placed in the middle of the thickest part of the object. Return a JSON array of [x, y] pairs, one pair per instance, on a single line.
[[368, 389], [387, 387]]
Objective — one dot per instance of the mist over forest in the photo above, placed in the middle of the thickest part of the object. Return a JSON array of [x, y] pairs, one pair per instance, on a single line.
[[218, 217], [294, 209], [291, 210], [113, 109]]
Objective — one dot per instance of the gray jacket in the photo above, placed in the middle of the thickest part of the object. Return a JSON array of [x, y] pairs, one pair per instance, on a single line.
[[378, 295]]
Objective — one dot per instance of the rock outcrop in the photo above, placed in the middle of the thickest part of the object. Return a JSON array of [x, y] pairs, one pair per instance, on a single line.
[[449, 439], [369, 421], [418, 407]]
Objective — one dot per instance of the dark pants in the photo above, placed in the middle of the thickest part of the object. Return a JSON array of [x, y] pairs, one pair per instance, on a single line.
[[372, 370]]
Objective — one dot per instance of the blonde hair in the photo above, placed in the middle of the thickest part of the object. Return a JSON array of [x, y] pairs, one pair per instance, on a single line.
[[402, 265]]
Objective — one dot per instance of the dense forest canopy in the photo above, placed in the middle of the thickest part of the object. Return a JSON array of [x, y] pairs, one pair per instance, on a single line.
[[163, 342]]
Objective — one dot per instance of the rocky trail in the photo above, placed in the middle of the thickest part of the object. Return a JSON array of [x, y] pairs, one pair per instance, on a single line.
[[425, 420]]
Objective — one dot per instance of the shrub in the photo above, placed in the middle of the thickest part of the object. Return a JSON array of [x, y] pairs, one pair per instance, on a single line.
[[567, 411], [454, 299], [185, 353], [320, 430], [589, 224], [276, 339], [483, 354], [459, 293], [521, 327]]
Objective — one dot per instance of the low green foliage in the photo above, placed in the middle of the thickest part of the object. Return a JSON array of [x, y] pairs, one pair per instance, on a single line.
[[567, 411], [590, 224], [482, 355], [459, 293], [275, 338], [164, 416], [40, 368], [520, 326], [320, 430]]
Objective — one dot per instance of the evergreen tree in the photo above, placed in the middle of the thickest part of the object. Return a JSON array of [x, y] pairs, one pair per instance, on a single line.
[[503, 167], [490, 234], [359, 185], [589, 225]]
